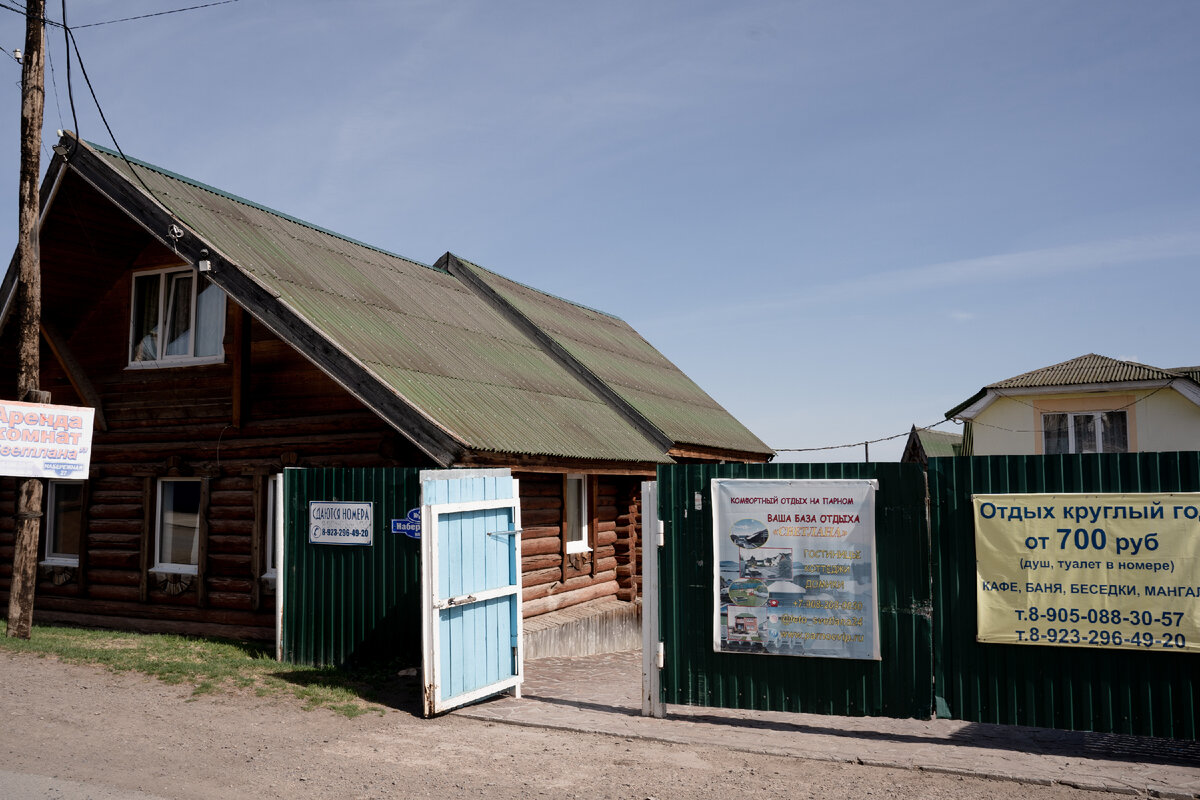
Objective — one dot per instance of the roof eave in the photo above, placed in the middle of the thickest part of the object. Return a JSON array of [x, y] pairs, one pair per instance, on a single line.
[[967, 409]]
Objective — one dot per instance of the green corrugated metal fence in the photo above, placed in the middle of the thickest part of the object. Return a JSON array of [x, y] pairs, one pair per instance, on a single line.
[[898, 686], [1118, 691], [343, 603]]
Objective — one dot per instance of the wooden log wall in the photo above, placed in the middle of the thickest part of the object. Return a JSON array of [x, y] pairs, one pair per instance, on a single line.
[[552, 580]]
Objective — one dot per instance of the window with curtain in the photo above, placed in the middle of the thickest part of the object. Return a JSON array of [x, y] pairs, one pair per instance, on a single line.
[[177, 317], [177, 544], [1085, 432]]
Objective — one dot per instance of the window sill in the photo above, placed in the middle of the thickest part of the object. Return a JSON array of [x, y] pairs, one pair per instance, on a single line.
[[573, 548], [268, 579], [174, 569], [58, 561], [176, 362]]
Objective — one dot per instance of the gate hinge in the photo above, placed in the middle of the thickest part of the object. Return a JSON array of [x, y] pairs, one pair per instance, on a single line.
[[662, 538], [660, 655]]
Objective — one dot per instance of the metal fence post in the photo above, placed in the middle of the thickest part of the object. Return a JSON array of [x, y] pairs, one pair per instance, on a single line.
[[652, 705]]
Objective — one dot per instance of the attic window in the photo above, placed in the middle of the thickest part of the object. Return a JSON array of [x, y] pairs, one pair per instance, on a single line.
[[177, 317]]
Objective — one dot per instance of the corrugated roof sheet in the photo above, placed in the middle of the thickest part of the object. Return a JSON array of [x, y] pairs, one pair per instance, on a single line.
[[940, 443], [620, 357], [417, 329], [1090, 368], [1190, 372]]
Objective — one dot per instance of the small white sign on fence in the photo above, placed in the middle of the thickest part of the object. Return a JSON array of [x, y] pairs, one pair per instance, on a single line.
[[332, 522]]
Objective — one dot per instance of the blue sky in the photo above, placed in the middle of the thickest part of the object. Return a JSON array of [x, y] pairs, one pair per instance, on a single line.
[[838, 218]]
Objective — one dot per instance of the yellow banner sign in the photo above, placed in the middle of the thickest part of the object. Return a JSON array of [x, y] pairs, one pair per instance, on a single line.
[[1089, 570]]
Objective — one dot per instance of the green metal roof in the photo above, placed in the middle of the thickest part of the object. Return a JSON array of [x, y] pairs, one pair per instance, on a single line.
[[631, 366], [940, 443], [418, 330]]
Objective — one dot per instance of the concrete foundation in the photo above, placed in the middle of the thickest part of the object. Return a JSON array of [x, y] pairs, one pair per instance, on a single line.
[[600, 626]]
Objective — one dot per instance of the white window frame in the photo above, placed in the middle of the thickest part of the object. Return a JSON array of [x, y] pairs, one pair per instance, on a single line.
[[170, 568], [55, 559], [1097, 417], [274, 524], [190, 359], [583, 544]]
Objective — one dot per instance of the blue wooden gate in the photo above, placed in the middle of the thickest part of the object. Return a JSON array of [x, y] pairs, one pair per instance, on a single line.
[[471, 574]]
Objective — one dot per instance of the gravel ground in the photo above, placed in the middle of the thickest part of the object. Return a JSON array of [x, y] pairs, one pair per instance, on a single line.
[[81, 732]]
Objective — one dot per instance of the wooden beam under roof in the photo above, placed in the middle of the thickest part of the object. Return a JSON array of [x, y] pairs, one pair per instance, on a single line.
[[79, 381]]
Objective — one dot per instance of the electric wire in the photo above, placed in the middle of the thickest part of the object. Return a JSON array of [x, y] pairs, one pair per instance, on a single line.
[[57, 24], [104, 119], [155, 14], [956, 422], [70, 90], [1042, 429], [54, 83], [859, 444]]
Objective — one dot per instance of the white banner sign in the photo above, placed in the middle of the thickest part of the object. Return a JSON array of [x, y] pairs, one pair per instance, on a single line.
[[44, 441], [795, 568], [331, 522]]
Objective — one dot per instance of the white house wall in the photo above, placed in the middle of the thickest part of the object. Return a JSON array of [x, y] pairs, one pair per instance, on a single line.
[[1003, 428], [1171, 422], [1159, 420]]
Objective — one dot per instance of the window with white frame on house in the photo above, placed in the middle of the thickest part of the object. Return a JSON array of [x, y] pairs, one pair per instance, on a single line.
[[177, 317], [177, 538], [64, 522], [1085, 432], [274, 508], [575, 514]]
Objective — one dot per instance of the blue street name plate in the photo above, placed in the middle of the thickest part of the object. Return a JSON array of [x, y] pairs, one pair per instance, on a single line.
[[410, 526]]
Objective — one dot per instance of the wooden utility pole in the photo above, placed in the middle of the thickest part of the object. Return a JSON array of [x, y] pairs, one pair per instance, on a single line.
[[29, 302]]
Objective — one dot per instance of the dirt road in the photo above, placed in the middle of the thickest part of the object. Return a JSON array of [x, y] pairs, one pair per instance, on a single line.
[[74, 732]]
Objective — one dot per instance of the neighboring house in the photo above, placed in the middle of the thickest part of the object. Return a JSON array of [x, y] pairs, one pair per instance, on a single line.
[[926, 443], [1090, 404], [219, 342]]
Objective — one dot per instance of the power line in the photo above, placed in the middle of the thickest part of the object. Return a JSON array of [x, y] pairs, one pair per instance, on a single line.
[[944, 421], [57, 24], [70, 91], [100, 110], [155, 14], [1046, 411], [54, 83], [857, 444]]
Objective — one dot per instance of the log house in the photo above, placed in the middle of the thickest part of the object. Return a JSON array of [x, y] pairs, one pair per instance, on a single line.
[[220, 342]]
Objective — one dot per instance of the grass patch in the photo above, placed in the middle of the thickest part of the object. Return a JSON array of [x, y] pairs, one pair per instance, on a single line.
[[209, 666]]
